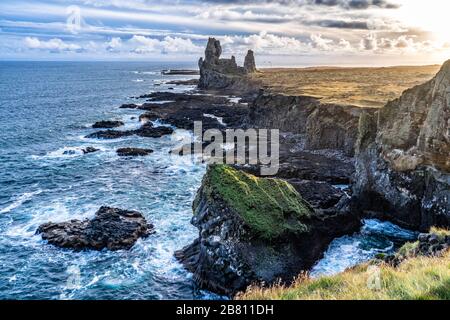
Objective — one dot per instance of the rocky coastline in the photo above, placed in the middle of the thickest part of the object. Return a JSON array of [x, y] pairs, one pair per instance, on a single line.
[[338, 165]]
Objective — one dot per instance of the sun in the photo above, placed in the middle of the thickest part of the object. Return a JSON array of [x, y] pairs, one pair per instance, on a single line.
[[430, 16]]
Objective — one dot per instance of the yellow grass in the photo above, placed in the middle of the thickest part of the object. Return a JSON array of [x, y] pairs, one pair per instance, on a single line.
[[420, 278], [365, 87]]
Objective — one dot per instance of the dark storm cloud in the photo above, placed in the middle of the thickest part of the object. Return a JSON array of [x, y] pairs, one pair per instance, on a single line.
[[347, 4], [340, 24]]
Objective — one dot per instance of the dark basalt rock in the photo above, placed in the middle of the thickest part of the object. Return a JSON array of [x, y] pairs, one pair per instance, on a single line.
[[149, 131], [111, 228], [249, 62], [321, 195], [109, 134], [89, 150], [256, 230], [192, 82], [402, 161], [108, 124], [427, 244], [325, 126], [186, 109], [129, 106], [133, 152]]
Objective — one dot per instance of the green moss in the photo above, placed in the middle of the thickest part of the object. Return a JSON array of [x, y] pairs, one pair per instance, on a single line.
[[270, 207], [409, 249]]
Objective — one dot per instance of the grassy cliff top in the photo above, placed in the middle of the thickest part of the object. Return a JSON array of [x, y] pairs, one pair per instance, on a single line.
[[365, 87], [269, 207], [420, 278]]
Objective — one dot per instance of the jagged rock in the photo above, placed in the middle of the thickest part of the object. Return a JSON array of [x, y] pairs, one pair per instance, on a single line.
[[191, 82], [147, 130], [427, 244], [216, 73], [111, 228], [133, 152], [403, 150], [107, 124], [109, 134], [321, 195], [254, 229], [89, 150], [249, 62]]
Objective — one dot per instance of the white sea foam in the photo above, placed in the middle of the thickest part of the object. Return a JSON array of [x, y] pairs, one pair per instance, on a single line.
[[18, 201], [56, 211], [219, 119], [138, 80], [234, 99]]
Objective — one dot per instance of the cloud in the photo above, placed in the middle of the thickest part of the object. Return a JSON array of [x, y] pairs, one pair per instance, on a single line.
[[319, 42], [168, 45], [54, 44], [114, 45]]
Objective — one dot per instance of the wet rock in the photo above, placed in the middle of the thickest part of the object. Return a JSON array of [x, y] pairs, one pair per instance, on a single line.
[[133, 152], [186, 109], [109, 134], [149, 131], [108, 124], [129, 106], [255, 230], [89, 150], [191, 82], [111, 228]]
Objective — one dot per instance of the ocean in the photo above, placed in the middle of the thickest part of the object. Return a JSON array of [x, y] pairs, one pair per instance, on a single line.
[[46, 110]]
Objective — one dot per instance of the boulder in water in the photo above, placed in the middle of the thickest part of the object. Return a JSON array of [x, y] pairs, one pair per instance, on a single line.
[[111, 228], [133, 152], [107, 124]]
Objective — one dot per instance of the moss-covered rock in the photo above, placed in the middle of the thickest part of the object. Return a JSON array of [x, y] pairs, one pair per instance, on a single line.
[[269, 207], [255, 230]]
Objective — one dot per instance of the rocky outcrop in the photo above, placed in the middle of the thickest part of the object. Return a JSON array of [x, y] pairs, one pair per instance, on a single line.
[[217, 73], [148, 130], [249, 62], [133, 152], [255, 229], [111, 228], [88, 150], [107, 124], [433, 244], [403, 165], [183, 110], [325, 126]]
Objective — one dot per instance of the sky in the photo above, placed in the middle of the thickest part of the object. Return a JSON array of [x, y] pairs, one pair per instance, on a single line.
[[281, 32]]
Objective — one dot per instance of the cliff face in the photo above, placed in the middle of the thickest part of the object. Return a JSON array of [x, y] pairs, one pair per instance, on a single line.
[[217, 73], [403, 156], [326, 126]]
